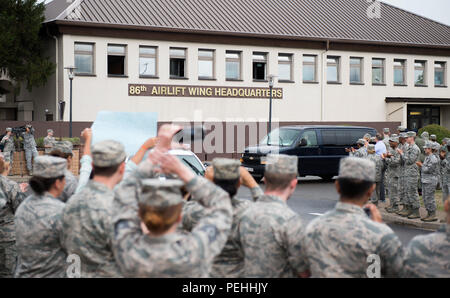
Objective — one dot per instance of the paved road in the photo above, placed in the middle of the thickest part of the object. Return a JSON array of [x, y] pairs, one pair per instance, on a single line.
[[314, 197]]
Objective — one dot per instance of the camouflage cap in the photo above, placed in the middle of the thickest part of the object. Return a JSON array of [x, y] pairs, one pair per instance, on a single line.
[[403, 135], [371, 148], [367, 136], [108, 153], [357, 168], [411, 134], [49, 130], [161, 193], [401, 129], [49, 167], [281, 164], [394, 136], [386, 130], [373, 139], [361, 142], [226, 169], [433, 137], [425, 134], [28, 126], [428, 145], [445, 140], [436, 146], [64, 147], [394, 140], [9, 129]]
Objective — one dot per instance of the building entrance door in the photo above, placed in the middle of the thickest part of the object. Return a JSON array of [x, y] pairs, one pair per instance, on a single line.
[[421, 116]]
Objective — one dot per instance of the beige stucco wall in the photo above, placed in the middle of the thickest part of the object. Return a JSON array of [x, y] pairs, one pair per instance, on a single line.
[[302, 102]]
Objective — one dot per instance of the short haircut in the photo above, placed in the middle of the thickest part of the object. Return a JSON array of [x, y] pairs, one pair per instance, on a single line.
[[41, 185], [353, 188], [159, 220], [230, 186], [379, 137], [3, 165], [105, 171], [278, 181], [59, 153]]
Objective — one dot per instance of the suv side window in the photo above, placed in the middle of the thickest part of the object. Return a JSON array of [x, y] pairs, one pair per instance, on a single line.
[[311, 138]]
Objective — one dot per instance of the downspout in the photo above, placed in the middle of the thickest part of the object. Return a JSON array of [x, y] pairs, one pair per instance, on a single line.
[[322, 91], [57, 77]]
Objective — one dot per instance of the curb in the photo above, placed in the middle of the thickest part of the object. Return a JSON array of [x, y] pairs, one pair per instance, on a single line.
[[390, 218]]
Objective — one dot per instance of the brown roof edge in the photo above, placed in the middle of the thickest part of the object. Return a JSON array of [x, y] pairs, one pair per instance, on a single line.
[[417, 100], [243, 34]]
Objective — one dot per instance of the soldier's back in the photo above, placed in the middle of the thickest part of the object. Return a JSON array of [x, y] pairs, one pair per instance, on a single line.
[[270, 234], [230, 262], [87, 226], [429, 256], [338, 244], [10, 199], [38, 238]]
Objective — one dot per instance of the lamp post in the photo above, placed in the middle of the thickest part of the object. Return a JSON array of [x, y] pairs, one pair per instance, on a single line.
[[271, 83], [70, 71]]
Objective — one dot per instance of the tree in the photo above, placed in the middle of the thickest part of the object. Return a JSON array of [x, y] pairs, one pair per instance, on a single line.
[[22, 45]]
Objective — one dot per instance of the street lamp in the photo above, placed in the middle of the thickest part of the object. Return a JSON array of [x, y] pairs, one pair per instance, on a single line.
[[70, 72], [271, 83]]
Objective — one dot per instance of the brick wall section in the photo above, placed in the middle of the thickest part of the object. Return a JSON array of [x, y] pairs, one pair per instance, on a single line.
[[61, 129], [20, 165]]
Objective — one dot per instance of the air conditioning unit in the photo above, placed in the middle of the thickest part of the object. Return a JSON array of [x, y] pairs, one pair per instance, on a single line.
[[2, 98]]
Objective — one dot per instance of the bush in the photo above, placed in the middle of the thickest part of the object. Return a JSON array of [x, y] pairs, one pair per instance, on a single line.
[[440, 132], [74, 141]]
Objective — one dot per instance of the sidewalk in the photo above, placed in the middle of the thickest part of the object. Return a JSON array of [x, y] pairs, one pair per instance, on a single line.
[[394, 218]]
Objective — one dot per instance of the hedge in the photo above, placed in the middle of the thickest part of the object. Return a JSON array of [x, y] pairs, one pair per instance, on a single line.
[[440, 132]]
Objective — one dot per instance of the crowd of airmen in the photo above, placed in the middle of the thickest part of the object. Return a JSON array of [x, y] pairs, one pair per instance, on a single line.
[[405, 166], [154, 217]]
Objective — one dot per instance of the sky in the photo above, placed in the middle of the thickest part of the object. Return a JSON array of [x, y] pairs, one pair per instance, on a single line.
[[438, 10]]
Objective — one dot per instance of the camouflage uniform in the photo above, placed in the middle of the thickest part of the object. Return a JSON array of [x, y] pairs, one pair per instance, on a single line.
[[403, 175], [39, 228], [71, 180], [87, 218], [29, 145], [393, 173], [379, 168], [49, 141], [171, 255], [445, 168], [410, 157], [270, 232], [429, 256], [9, 148], [361, 152], [10, 198], [339, 243], [430, 173]]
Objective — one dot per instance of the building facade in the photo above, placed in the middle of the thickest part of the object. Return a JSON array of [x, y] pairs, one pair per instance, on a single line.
[[185, 71]]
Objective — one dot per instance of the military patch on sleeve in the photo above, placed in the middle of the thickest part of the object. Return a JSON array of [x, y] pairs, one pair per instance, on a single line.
[[211, 231]]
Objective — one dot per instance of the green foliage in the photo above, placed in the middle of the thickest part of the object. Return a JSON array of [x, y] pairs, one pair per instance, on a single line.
[[40, 142], [21, 46], [440, 132], [74, 141]]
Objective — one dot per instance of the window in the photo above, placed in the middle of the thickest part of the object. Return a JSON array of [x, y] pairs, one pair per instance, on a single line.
[[285, 67], [310, 137], [116, 60], [84, 58], [440, 69], [356, 66], [206, 64], [399, 72], [233, 65], [309, 68], [420, 73], [377, 71], [147, 61], [259, 66], [177, 63], [333, 69]]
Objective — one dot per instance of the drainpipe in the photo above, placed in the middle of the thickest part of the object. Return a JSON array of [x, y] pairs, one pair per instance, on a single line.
[[56, 114], [322, 91]]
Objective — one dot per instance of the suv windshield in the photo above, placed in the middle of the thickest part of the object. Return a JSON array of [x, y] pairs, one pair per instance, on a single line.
[[192, 163], [281, 137]]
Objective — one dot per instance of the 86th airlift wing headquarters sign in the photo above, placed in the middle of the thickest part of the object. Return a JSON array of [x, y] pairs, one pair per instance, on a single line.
[[202, 91]]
